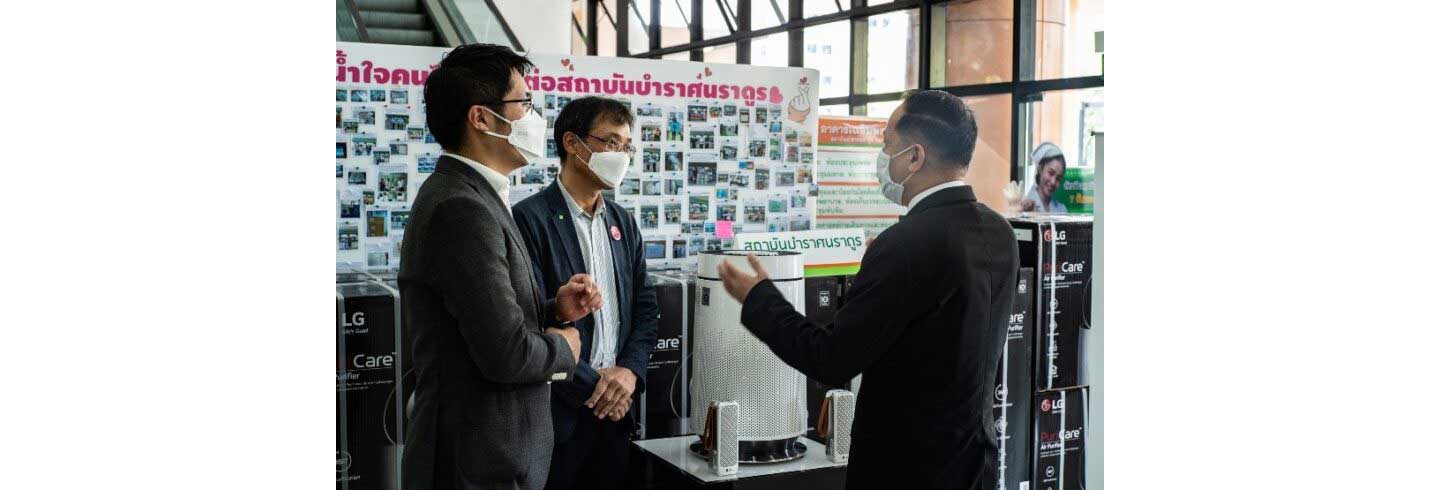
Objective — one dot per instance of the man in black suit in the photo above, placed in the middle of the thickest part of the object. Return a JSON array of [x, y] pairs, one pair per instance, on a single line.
[[483, 361], [925, 321], [571, 229]]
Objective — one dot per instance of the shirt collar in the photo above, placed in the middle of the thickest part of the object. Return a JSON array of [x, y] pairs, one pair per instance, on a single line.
[[575, 208], [497, 180], [937, 188]]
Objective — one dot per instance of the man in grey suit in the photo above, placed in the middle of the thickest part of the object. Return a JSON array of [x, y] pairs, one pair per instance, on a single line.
[[476, 320]]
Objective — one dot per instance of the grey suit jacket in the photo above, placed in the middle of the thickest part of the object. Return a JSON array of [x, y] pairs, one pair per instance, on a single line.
[[475, 319]]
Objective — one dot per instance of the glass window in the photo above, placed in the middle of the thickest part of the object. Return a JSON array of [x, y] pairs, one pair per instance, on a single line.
[[640, 17], [990, 164], [772, 50], [681, 56], [1065, 38], [577, 41], [715, 21], [835, 110], [893, 58], [1068, 119], [674, 24], [724, 53], [605, 28], [763, 14], [827, 48], [881, 109], [816, 8], [972, 42]]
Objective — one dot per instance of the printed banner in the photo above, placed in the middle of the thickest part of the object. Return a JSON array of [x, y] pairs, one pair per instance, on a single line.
[[849, 191], [827, 252], [716, 143]]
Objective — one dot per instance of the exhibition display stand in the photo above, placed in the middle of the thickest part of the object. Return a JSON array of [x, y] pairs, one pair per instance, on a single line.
[[669, 464]]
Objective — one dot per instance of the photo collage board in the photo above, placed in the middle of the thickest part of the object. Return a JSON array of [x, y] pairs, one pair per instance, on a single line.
[[720, 149]]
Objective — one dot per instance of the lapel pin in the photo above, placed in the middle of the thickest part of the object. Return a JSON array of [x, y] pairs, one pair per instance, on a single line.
[[614, 232]]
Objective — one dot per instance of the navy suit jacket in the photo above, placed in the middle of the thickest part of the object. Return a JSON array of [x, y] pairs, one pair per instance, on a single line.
[[549, 233]]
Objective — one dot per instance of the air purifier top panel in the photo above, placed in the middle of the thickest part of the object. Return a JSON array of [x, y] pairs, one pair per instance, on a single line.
[[780, 265]]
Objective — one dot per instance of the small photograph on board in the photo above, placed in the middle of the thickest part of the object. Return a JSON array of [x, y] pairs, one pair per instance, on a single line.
[[650, 158], [740, 180], [672, 213], [746, 164], [549, 101], [762, 179], [698, 113], [760, 116], [673, 186], [650, 133], [415, 133], [649, 216], [630, 187], [377, 96], [697, 244], [348, 235], [712, 245], [350, 208], [728, 152], [797, 201], [779, 205], [807, 156], [804, 175], [799, 224], [398, 219], [725, 212], [757, 149], [723, 179], [774, 113], [754, 214], [357, 176], [381, 156], [744, 115], [399, 97], [426, 163], [376, 221], [340, 149], [339, 95], [792, 154], [784, 179], [731, 129], [775, 127], [649, 111], [560, 102], [393, 186], [677, 248], [699, 208], [722, 194], [368, 198], [702, 173], [675, 128], [359, 96], [377, 256], [366, 115], [533, 175], [650, 188], [730, 110], [774, 148], [715, 112], [702, 140], [654, 249], [397, 122], [399, 149], [550, 151], [350, 127], [674, 161], [339, 170], [363, 144]]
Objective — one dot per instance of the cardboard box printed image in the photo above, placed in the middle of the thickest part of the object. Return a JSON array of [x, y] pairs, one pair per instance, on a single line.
[[1059, 249], [1059, 444]]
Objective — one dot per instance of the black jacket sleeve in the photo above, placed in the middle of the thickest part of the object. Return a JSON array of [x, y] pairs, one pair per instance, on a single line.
[[876, 312], [635, 354], [471, 273]]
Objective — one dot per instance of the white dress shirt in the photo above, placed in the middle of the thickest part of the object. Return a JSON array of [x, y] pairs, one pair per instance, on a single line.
[[497, 180], [927, 192], [595, 238]]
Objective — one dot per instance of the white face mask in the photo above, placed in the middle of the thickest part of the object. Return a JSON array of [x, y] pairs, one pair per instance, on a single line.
[[894, 192], [609, 166], [527, 134]]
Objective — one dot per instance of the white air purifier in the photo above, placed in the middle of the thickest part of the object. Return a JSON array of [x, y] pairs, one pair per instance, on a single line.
[[731, 364]]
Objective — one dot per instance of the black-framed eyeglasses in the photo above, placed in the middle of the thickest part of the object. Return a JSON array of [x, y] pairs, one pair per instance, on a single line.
[[528, 102], [613, 145]]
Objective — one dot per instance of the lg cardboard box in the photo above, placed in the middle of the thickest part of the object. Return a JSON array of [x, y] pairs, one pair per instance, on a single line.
[[666, 384], [369, 434], [1059, 249], [1060, 435], [1012, 389]]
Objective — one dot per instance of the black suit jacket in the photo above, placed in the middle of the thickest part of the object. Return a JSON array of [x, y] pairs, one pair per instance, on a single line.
[[925, 322], [544, 221], [483, 364]]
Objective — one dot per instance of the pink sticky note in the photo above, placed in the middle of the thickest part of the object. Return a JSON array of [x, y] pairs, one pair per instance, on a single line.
[[723, 229]]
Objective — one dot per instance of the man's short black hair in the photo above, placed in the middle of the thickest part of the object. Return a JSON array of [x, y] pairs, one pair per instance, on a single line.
[[942, 123], [581, 114], [471, 75]]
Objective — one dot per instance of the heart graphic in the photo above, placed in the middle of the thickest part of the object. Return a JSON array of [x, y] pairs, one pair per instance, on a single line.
[[565, 62], [698, 76], [804, 79], [572, 67], [707, 71]]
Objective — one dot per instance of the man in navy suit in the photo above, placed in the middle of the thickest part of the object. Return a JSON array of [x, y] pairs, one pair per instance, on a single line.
[[569, 228]]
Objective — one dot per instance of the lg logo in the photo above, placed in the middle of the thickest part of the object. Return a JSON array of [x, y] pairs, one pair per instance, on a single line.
[[356, 320], [1049, 235], [1045, 405]]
